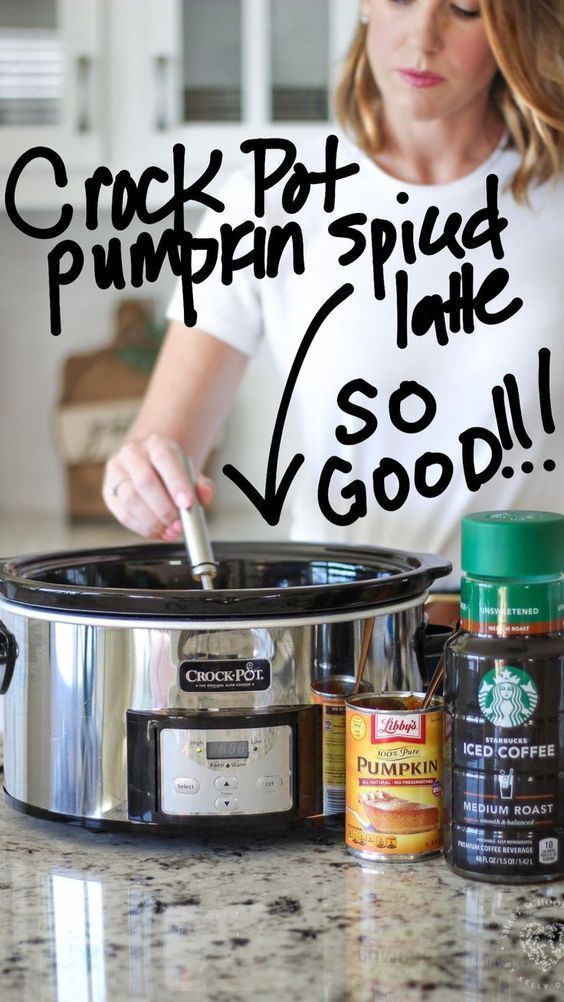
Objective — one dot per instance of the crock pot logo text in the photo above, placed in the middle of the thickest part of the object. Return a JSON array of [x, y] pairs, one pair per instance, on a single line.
[[234, 675], [342, 498], [245, 675]]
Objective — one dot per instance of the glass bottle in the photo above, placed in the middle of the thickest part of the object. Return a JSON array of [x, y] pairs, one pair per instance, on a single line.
[[504, 701]]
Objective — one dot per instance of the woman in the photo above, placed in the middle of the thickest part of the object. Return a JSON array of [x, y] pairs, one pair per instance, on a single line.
[[410, 399]]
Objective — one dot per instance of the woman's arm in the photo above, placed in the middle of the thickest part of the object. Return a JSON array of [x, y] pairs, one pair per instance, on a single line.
[[190, 393]]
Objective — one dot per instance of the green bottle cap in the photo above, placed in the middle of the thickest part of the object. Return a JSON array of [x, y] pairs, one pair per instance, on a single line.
[[513, 544]]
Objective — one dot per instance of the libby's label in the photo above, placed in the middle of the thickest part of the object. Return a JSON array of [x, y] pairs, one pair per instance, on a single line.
[[229, 675], [409, 726], [394, 782]]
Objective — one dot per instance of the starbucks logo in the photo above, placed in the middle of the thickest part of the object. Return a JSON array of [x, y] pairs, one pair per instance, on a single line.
[[507, 698]]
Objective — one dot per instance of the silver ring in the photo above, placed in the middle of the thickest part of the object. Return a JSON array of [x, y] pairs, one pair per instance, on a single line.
[[116, 487]]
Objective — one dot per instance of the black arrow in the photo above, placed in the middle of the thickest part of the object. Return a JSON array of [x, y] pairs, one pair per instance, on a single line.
[[270, 504]]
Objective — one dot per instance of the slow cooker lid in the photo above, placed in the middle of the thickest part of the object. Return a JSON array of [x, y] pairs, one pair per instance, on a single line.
[[255, 580]]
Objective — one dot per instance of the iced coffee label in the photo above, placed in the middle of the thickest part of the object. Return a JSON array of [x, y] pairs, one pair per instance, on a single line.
[[511, 718], [507, 698], [506, 760], [506, 798], [504, 694], [507, 855], [528, 608]]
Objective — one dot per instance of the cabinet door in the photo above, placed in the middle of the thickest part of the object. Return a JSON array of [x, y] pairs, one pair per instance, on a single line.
[[299, 61], [49, 75], [211, 73]]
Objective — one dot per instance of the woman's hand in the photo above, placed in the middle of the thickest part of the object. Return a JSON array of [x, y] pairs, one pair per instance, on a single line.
[[145, 484], [191, 389]]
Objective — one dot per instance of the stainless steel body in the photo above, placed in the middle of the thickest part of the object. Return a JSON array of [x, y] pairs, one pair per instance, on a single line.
[[77, 677]]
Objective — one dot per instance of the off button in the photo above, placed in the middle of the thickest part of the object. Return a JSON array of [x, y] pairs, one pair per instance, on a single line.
[[269, 784]]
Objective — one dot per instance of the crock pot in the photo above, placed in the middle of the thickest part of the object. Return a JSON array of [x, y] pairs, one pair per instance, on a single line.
[[134, 698]]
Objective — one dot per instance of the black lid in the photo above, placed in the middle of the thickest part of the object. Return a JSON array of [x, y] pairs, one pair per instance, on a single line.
[[255, 580]]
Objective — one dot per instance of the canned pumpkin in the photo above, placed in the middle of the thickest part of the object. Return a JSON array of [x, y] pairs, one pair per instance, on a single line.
[[331, 693], [394, 761]]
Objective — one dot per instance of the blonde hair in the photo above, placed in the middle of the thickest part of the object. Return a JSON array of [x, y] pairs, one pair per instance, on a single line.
[[527, 40]]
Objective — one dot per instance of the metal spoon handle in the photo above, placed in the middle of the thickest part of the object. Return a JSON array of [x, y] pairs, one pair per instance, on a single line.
[[437, 676], [366, 639], [434, 683], [196, 538]]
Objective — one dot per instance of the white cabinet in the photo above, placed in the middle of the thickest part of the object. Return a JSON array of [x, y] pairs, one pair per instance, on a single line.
[[210, 73], [120, 82], [51, 74]]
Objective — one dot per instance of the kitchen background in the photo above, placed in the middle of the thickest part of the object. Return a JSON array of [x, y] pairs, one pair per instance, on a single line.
[[118, 82]]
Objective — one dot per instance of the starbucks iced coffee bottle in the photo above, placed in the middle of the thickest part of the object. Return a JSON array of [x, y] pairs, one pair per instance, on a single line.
[[504, 701]]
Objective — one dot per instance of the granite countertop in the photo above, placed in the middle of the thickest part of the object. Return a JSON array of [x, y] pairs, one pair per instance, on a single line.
[[89, 917]]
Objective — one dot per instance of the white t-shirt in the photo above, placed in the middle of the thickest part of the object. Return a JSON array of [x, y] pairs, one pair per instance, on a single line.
[[359, 341]]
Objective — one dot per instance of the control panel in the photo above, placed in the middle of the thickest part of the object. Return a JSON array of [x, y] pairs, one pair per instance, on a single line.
[[225, 771]]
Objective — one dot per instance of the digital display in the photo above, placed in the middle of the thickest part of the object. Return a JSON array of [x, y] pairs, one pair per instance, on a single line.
[[227, 749]]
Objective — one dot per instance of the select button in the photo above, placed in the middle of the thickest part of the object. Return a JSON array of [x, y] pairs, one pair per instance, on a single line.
[[186, 785]]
